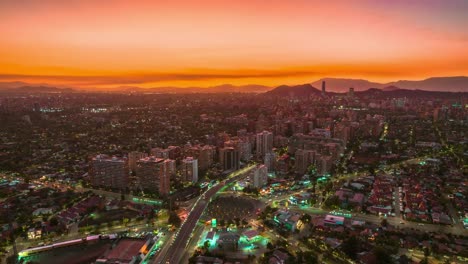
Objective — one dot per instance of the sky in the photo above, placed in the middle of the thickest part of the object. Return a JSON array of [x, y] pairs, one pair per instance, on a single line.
[[103, 44]]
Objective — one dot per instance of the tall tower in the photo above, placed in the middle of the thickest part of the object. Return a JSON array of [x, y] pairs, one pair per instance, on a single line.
[[264, 141], [229, 158], [189, 170], [351, 92], [323, 88]]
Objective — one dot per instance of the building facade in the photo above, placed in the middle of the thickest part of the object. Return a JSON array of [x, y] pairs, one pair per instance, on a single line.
[[107, 171]]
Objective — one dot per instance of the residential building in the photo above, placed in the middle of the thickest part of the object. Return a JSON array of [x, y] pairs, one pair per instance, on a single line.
[[106, 171], [260, 176], [229, 158], [264, 143], [189, 170], [155, 173]]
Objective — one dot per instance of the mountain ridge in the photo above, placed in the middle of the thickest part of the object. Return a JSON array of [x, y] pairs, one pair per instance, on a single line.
[[449, 83], [335, 85]]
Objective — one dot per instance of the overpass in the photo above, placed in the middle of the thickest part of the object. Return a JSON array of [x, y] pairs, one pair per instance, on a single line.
[[175, 249]]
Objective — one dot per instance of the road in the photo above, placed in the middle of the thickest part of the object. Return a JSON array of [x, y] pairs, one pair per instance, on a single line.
[[182, 237]]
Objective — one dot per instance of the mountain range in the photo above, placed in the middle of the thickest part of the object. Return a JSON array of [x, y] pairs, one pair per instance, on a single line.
[[446, 84], [307, 90]]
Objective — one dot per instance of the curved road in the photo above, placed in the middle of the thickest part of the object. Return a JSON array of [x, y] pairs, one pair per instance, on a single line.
[[182, 237]]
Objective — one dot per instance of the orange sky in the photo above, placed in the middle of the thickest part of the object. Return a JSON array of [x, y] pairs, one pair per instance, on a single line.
[[187, 43]]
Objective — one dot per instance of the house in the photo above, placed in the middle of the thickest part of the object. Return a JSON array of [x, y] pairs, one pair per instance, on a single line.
[[278, 257], [43, 211], [229, 241], [287, 219]]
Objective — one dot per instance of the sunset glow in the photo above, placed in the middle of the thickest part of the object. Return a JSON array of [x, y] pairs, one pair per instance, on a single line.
[[100, 44]]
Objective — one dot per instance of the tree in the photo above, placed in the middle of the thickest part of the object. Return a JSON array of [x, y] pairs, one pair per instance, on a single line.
[[384, 223], [309, 257], [151, 214], [222, 222], [54, 221], [332, 202], [351, 247], [306, 218], [270, 246], [174, 219], [382, 255]]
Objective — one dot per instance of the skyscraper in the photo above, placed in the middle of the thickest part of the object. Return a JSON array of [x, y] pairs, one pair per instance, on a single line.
[[264, 141], [304, 158], [260, 176], [351, 92], [270, 161], [323, 88], [106, 171], [229, 158], [206, 157], [155, 173], [189, 170]]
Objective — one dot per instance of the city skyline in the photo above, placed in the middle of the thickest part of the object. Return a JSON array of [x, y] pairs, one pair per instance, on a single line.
[[151, 44]]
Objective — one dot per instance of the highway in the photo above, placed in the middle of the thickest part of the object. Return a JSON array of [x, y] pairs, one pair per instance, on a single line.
[[182, 237]]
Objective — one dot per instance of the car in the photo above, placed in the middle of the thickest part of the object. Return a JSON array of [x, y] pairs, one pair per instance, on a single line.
[[420, 224], [401, 222]]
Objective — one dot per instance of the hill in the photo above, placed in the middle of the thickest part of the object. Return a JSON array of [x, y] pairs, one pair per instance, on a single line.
[[449, 84], [37, 89], [303, 90], [341, 85]]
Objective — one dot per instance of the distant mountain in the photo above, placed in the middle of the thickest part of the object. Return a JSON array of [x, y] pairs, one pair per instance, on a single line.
[[390, 88], [37, 89], [303, 90], [11, 85], [342, 85], [15, 85], [224, 88], [395, 92], [250, 88], [449, 84], [44, 89], [307, 90], [23, 87]]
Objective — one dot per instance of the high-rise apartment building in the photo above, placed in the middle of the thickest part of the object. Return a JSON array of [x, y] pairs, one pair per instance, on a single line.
[[229, 158], [260, 176], [189, 170], [106, 171], [304, 158], [269, 160], [206, 156], [155, 173], [264, 143]]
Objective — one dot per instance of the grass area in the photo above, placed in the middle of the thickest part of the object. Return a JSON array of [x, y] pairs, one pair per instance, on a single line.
[[108, 216]]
